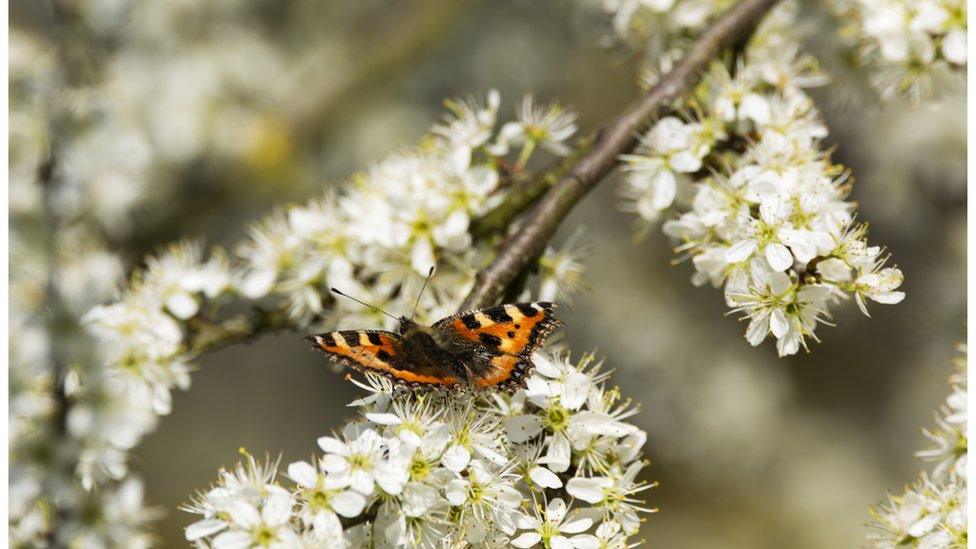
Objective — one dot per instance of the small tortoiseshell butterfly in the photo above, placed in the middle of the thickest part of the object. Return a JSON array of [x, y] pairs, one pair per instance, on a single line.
[[490, 347]]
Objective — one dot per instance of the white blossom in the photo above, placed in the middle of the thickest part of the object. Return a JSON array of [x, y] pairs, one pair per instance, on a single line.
[[907, 42], [426, 469], [931, 512], [769, 220], [554, 528], [359, 463], [546, 127]]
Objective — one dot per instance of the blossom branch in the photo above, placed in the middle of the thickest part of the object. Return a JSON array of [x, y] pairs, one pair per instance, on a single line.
[[560, 186], [525, 193], [209, 335], [614, 139]]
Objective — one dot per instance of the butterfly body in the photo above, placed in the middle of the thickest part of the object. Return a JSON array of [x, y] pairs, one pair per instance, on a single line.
[[481, 348]]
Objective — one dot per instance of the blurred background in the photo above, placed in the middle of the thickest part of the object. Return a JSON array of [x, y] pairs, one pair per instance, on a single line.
[[221, 111]]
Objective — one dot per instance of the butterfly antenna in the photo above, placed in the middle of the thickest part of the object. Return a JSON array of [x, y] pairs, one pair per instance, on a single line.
[[374, 307], [430, 273]]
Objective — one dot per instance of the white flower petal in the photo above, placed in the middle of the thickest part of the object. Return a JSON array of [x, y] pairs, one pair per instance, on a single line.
[[391, 476], [576, 526], [362, 482], [663, 189], [182, 305], [560, 542], [523, 428], [327, 525], [348, 503], [243, 514], [586, 489], [456, 458], [303, 473], [954, 47], [418, 499], [685, 162], [756, 108], [204, 528], [545, 478], [456, 492], [758, 328], [331, 445], [778, 256], [546, 366], [556, 510], [778, 323], [558, 454], [888, 298], [258, 283], [490, 455], [528, 539], [422, 256], [335, 464], [741, 251], [585, 541], [232, 540], [383, 419], [277, 508]]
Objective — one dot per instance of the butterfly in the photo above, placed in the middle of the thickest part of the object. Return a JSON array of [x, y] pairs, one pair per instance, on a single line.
[[489, 347]]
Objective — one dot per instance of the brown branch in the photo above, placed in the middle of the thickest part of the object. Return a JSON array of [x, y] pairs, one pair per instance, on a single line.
[[614, 139], [206, 335], [524, 194]]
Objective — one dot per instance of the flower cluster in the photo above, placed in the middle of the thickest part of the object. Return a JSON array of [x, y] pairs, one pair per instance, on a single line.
[[379, 237], [554, 465], [907, 41], [70, 424], [932, 511], [768, 217]]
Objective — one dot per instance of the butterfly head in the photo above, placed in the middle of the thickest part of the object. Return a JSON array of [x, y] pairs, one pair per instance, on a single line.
[[407, 325]]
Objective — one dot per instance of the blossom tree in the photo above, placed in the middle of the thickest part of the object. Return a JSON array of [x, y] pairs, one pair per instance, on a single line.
[[724, 145]]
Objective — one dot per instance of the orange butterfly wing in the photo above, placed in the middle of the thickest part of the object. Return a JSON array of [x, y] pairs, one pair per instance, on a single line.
[[374, 351], [513, 331]]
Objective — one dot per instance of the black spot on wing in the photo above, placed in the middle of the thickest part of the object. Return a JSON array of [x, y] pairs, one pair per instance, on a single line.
[[510, 334], [498, 314], [528, 310], [470, 322], [351, 337], [383, 355], [375, 338], [489, 340], [328, 340]]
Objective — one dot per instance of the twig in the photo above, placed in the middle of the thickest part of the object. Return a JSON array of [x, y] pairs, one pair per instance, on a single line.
[[209, 335], [614, 139]]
